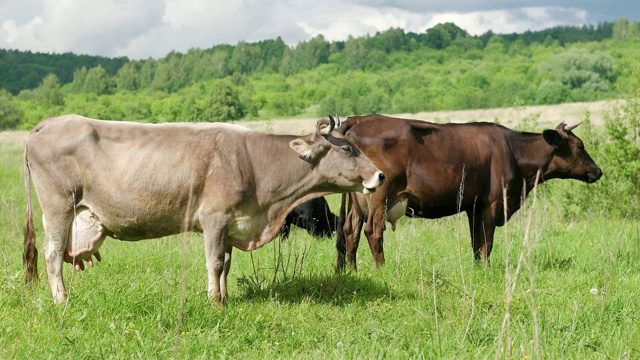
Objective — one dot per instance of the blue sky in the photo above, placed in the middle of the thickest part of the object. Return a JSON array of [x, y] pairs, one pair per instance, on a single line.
[[141, 29]]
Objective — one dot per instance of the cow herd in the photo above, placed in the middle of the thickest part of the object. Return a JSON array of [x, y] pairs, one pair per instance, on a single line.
[[241, 188]]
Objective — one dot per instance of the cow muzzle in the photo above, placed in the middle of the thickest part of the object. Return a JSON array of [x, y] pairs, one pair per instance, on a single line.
[[594, 175], [376, 180]]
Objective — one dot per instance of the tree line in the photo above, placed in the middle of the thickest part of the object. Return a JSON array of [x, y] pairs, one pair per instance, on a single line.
[[443, 68]]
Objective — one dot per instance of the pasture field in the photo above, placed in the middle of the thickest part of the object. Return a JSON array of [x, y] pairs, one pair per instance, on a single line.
[[555, 289]]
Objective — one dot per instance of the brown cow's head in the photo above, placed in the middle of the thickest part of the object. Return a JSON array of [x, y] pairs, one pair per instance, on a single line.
[[338, 161], [570, 159]]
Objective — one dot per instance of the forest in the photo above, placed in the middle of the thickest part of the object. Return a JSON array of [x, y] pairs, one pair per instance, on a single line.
[[392, 71]]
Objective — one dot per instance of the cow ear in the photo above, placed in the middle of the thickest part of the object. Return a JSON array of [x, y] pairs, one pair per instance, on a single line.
[[306, 150], [553, 138]]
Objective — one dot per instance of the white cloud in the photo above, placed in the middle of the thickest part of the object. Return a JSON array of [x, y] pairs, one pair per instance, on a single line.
[[361, 20], [510, 21], [91, 27], [152, 28], [10, 30]]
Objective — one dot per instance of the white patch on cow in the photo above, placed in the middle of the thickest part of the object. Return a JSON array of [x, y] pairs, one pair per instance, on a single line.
[[372, 183], [397, 211]]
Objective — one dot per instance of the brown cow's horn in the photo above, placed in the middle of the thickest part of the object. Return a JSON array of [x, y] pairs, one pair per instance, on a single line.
[[338, 122], [569, 128]]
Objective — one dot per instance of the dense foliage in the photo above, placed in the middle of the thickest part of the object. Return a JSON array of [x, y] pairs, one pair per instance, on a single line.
[[443, 68], [24, 69]]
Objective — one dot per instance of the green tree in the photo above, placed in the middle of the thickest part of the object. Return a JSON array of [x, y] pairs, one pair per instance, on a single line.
[[220, 63], [356, 53], [496, 45], [127, 78], [580, 69], [388, 41], [272, 51], [625, 30], [622, 150], [10, 115], [223, 104], [49, 92], [551, 92], [161, 77], [438, 38], [97, 81], [245, 58], [210, 66], [309, 54], [179, 71], [79, 77], [376, 60], [147, 73]]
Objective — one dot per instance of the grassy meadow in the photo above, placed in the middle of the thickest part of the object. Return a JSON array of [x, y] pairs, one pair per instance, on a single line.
[[555, 289]]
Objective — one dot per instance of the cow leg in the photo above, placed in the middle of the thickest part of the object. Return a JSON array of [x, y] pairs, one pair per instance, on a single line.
[[352, 229], [56, 230], [482, 227], [225, 271], [215, 238], [374, 232]]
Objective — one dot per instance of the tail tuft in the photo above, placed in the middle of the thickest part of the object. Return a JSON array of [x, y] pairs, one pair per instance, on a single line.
[[30, 255]]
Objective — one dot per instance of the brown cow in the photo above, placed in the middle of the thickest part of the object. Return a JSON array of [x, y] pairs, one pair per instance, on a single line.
[[133, 181], [435, 170]]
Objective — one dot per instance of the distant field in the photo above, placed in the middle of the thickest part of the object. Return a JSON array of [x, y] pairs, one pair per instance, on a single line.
[[550, 116], [555, 289]]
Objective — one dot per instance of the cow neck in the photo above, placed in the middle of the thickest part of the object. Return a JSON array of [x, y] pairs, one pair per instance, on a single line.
[[290, 177], [532, 153], [290, 182]]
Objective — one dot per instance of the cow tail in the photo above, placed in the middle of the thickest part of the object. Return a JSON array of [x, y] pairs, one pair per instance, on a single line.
[[341, 246], [30, 255]]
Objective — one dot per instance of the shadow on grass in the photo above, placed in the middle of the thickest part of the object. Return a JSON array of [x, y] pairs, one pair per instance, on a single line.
[[338, 289]]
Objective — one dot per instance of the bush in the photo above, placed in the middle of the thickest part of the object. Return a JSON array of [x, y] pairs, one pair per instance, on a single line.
[[622, 150], [551, 92], [10, 115], [223, 104]]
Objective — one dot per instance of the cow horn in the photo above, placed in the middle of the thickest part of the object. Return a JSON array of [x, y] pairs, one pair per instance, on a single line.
[[571, 127], [332, 125], [338, 122]]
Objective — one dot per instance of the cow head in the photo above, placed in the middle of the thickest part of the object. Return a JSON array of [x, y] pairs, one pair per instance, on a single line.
[[338, 161], [570, 159]]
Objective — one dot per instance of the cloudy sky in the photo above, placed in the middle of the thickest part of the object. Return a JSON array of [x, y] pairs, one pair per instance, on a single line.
[[151, 28]]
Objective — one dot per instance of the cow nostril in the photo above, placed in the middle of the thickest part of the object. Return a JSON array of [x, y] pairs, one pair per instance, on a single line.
[[381, 176]]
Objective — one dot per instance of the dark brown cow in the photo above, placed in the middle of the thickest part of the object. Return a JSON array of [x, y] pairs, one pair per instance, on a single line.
[[313, 216], [132, 181], [435, 170]]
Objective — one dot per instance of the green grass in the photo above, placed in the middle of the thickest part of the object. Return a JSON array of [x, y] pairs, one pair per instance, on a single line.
[[148, 299]]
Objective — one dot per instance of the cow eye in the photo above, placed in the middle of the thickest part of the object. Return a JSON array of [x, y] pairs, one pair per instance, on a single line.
[[347, 148]]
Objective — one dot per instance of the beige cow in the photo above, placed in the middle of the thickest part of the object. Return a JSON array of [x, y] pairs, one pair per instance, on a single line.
[[132, 181]]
